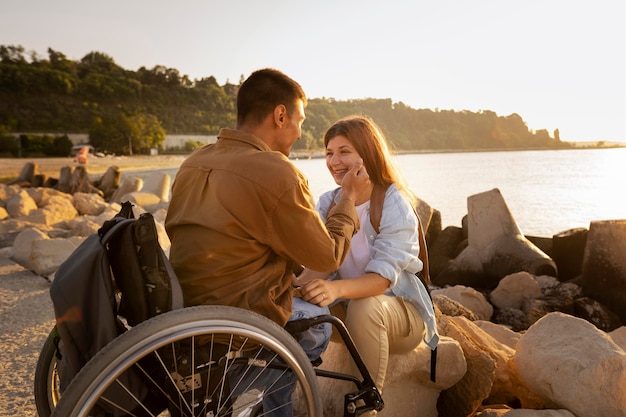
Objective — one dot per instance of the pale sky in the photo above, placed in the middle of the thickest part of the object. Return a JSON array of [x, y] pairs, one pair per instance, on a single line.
[[556, 63]]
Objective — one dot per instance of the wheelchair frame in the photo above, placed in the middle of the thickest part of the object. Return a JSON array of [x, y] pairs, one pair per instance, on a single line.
[[365, 397]]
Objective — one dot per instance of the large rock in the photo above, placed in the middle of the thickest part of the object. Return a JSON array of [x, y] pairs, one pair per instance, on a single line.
[[23, 245], [496, 247], [129, 185], [28, 173], [87, 203], [508, 412], [109, 182], [451, 307], [408, 390], [619, 337], [604, 265], [568, 249], [56, 209], [21, 204], [159, 184], [566, 362], [469, 298], [502, 334], [487, 374], [514, 289], [48, 254]]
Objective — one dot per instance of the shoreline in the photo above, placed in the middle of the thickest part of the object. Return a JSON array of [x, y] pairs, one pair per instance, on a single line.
[[10, 168]]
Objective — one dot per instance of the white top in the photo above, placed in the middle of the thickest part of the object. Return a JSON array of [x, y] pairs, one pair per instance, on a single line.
[[360, 252]]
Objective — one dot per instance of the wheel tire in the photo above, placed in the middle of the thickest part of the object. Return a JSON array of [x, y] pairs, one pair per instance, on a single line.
[[46, 383], [153, 338]]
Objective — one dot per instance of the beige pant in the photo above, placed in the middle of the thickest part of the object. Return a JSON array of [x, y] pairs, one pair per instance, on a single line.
[[380, 326]]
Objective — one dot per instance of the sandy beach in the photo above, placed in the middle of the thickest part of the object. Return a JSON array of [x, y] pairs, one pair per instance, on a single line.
[[26, 314], [10, 168]]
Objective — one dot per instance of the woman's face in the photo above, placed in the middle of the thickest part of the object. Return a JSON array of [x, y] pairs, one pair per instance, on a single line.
[[340, 156]]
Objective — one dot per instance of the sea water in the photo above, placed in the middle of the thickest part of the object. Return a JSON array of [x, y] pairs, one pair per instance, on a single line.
[[547, 192]]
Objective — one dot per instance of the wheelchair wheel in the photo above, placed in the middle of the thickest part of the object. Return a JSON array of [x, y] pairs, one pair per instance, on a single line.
[[46, 383], [197, 361]]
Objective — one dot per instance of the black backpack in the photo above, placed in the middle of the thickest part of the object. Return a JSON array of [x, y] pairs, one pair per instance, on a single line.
[[119, 272]]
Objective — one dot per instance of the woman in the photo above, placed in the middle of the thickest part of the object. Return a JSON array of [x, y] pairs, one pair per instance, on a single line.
[[387, 308]]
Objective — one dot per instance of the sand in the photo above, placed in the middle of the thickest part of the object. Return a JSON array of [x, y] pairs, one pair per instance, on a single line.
[[26, 318], [26, 314], [10, 168]]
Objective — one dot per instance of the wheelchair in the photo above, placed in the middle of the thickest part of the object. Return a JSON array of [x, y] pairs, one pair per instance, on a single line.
[[201, 361]]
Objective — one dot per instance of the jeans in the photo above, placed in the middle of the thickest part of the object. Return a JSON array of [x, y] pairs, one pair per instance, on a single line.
[[277, 384]]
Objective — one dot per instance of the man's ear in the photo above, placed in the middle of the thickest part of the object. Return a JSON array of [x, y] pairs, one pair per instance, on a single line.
[[280, 115]]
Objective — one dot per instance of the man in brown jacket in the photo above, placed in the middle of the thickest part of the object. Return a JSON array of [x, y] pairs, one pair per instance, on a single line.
[[241, 215]]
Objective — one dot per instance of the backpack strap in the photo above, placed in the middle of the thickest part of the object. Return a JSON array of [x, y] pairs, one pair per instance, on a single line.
[[376, 209]]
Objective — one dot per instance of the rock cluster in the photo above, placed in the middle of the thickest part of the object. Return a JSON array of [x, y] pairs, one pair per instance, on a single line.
[[529, 326]]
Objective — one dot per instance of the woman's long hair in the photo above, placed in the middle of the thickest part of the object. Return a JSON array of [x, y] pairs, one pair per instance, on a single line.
[[371, 145]]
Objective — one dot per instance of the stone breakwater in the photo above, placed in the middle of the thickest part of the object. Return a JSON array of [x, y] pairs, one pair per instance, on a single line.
[[530, 326]]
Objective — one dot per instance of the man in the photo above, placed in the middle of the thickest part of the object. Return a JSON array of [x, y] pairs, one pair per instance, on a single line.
[[241, 215]]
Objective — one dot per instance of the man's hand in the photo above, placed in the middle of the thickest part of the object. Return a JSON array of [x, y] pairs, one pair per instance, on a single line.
[[356, 181]]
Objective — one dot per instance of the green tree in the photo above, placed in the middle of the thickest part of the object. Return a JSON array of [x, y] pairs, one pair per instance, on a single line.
[[122, 134]]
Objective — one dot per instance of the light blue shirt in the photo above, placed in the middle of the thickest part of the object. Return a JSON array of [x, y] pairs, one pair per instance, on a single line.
[[395, 252]]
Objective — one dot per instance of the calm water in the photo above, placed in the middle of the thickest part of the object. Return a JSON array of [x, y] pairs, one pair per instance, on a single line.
[[546, 191]]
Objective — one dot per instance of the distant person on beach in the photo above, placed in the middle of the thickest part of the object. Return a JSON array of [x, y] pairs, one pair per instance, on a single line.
[[241, 217], [385, 306]]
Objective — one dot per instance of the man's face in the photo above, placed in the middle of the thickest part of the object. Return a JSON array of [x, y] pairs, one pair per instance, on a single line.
[[292, 129]]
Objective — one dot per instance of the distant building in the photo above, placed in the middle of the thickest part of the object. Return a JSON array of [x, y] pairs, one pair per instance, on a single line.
[[171, 141]]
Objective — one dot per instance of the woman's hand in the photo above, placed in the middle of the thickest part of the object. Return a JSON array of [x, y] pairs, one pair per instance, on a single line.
[[320, 292], [324, 292]]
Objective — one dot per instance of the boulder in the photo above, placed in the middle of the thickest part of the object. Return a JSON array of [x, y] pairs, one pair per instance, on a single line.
[[29, 170], [48, 254], [142, 199], [596, 313], [568, 363], [109, 182], [502, 334], [87, 203], [56, 209], [451, 307], [129, 185], [568, 249], [464, 398], [443, 250], [21, 204], [469, 298], [619, 337], [604, 265], [7, 192], [407, 386], [496, 247], [514, 289], [509, 412], [158, 183], [23, 245]]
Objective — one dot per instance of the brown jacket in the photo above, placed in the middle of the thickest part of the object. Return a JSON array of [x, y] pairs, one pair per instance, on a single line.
[[240, 218]]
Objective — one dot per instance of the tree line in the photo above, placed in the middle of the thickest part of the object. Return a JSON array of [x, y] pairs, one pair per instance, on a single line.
[[131, 111]]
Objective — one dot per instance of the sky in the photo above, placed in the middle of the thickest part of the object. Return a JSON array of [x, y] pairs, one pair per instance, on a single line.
[[559, 64]]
